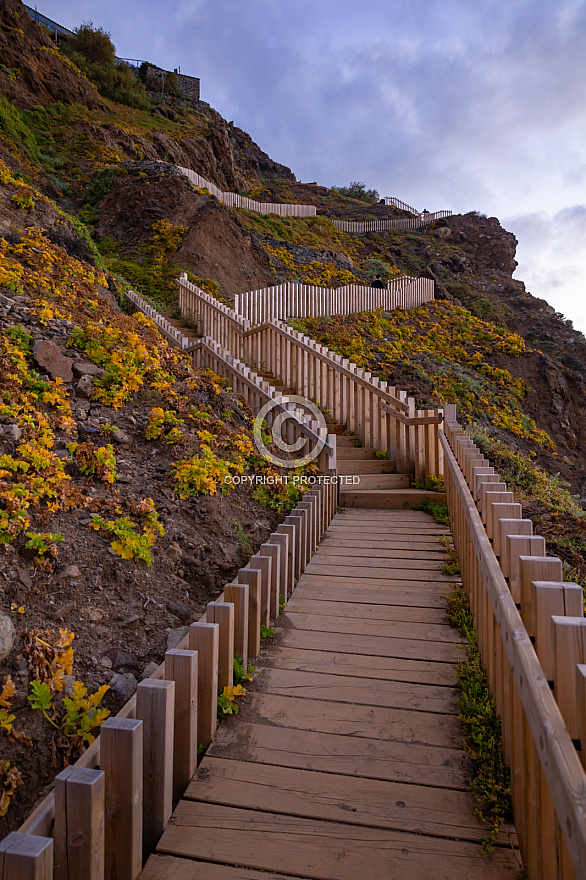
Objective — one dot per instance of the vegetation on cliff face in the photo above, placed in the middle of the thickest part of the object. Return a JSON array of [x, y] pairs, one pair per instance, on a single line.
[[447, 349]]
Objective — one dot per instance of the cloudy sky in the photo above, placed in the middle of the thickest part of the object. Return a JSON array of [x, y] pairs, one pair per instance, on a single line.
[[460, 104]]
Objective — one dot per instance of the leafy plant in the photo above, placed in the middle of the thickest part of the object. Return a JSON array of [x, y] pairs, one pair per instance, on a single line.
[[201, 474], [50, 656], [10, 780], [6, 696], [165, 424], [227, 704], [491, 786], [240, 673], [43, 542], [266, 632], [357, 190], [431, 483], [439, 511], [451, 565], [98, 460], [80, 714], [128, 542], [242, 539], [282, 604]]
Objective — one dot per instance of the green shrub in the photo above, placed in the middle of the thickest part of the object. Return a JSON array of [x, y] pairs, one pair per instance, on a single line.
[[100, 185], [357, 190]]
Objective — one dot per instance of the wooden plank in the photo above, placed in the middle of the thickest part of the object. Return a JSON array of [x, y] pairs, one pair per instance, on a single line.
[[379, 646], [79, 824], [238, 595], [416, 595], [345, 689], [432, 560], [414, 763], [415, 808], [385, 628], [407, 543], [163, 867], [366, 611], [361, 666], [370, 722], [390, 573], [325, 850]]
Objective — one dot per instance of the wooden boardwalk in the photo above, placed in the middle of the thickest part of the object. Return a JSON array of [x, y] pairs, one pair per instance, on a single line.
[[344, 763]]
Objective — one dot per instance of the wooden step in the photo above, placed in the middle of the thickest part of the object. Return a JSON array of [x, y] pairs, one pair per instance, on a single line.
[[344, 440], [358, 453], [376, 466], [380, 481], [388, 499], [335, 429]]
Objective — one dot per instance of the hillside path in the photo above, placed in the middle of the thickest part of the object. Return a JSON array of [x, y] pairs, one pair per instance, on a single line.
[[345, 762]]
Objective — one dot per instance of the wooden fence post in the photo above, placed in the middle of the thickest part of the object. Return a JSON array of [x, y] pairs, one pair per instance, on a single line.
[[252, 578], [502, 510], [205, 639], [26, 857], [569, 650], [517, 546], [181, 667], [288, 529], [273, 550], [264, 565], [285, 583], [155, 708], [222, 613], [510, 527], [238, 595], [535, 568], [121, 759], [550, 599], [79, 824], [580, 709]]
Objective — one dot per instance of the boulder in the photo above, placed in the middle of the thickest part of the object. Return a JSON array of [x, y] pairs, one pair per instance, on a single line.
[[50, 358], [85, 368], [85, 387]]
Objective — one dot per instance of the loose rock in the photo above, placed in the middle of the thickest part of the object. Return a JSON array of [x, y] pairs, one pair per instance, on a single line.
[[123, 684], [7, 635], [85, 387], [175, 636]]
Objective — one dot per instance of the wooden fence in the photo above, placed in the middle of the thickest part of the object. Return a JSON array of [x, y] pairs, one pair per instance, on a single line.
[[385, 419], [233, 200], [383, 225], [292, 300], [109, 809], [167, 330], [531, 633]]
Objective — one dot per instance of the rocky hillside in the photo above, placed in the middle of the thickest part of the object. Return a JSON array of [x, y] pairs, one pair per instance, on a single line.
[[113, 448]]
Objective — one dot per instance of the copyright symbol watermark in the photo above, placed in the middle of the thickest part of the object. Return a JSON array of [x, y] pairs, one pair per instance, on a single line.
[[273, 420]]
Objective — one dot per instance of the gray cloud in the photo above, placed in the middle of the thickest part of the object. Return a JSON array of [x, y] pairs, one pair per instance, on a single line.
[[443, 103]]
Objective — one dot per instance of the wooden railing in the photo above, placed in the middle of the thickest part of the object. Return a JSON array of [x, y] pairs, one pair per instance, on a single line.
[[383, 225], [392, 202], [109, 809], [293, 300], [531, 633], [233, 200], [385, 418], [167, 330]]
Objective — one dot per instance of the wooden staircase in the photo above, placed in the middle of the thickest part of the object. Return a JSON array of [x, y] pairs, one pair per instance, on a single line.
[[378, 487]]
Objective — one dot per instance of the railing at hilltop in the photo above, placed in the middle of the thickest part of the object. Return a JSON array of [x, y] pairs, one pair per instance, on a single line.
[[531, 634], [385, 418], [109, 809], [233, 200], [392, 202], [293, 300], [383, 225]]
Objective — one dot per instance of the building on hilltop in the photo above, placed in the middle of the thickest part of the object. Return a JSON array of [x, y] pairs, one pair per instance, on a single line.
[[159, 80]]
